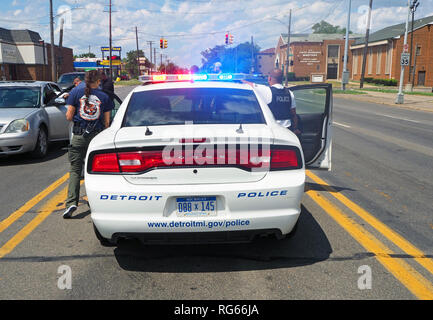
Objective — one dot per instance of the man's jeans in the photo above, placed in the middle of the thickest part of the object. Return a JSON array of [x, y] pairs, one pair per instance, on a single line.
[[77, 155]]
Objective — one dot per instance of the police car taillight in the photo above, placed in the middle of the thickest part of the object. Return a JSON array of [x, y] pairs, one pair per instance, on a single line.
[[106, 162], [276, 158], [285, 159]]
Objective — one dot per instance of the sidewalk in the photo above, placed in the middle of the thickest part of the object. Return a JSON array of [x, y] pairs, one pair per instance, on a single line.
[[415, 102]]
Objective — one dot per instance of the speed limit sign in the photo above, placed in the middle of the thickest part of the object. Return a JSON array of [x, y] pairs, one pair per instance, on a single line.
[[405, 58]]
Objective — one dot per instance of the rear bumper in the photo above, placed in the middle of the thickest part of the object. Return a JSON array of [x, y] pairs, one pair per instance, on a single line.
[[242, 236], [272, 203]]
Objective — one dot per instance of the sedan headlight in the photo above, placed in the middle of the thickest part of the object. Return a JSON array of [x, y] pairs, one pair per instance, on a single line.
[[20, 125]]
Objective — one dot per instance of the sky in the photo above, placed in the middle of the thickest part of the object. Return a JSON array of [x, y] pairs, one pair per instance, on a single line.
[[192, 26]]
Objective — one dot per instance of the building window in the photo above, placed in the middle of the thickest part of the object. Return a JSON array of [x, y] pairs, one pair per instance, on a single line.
[[418, 50], [388, 60], [355, 63], [379, 61], [370, 61]]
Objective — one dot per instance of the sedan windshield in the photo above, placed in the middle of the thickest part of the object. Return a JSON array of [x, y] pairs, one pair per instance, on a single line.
[[193, 106], [69, 78], [19, 97]]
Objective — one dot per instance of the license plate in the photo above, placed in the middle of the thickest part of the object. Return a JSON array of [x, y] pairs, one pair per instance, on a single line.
[[196, 206]]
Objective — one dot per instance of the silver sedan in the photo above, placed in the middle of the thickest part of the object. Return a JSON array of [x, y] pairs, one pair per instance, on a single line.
[[31, 117]]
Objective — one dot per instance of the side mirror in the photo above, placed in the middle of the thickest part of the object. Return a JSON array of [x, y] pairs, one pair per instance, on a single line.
[[59, 102]]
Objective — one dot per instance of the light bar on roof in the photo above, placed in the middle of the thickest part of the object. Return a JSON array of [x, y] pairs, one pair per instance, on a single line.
[[195, 77]]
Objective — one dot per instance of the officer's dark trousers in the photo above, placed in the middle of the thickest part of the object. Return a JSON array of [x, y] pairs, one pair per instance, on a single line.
[[77, 154]]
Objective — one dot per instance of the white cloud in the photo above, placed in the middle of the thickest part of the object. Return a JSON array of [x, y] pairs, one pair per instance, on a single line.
[[244, 18]]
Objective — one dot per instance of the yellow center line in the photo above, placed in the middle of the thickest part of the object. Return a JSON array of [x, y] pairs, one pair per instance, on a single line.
[[43, 213], [401, 270], [390, 234], [31, 203]]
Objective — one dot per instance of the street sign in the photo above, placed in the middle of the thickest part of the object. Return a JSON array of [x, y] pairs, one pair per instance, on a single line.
[[107, 62], [112, 48], [406, 48], [405, 58]]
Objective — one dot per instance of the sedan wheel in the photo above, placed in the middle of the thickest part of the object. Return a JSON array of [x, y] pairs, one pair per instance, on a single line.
[[41, 147]]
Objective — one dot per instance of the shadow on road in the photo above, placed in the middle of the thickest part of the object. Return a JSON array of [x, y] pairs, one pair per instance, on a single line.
[[56, 150], [308, 246], [320, 187]]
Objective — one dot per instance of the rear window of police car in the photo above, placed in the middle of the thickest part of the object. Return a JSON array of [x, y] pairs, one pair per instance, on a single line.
[[193, 105]]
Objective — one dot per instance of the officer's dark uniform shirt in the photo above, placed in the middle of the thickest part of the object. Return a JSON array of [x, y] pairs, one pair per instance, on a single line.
[[98, 104], [279, 100]]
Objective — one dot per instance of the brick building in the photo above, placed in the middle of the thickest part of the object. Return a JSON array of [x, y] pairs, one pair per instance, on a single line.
[[313, 54], [265, 61], [385, 47], [24, 56]]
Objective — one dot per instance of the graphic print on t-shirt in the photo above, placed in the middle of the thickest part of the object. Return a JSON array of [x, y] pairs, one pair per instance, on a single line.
[[92, 111]]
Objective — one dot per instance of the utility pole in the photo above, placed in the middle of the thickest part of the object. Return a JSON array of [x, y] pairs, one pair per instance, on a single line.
[[111, 44], [62, 21], [138, 56], [53, 58], [154, 57], [364, 57], [400, 95], [288, 49], [345, 77], [413, 7], [252, 56], [150, 44]]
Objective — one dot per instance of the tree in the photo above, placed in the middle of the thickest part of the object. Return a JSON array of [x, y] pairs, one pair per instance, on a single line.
[[325, 27], [86, 55], [237, 59], [131, 62]]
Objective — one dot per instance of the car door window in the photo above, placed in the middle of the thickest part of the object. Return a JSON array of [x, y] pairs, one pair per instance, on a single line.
[[313, 108], [117, 103]]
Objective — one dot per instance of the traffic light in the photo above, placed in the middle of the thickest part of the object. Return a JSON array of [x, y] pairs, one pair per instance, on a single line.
[[231, 39], [165, 43], [161, 43], [227, 38]]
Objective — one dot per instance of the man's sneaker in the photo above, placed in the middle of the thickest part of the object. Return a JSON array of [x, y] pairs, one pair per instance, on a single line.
[[68, 213]]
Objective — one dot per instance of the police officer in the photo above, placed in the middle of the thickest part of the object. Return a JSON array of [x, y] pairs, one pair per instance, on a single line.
[[89, 108], [280, 100]]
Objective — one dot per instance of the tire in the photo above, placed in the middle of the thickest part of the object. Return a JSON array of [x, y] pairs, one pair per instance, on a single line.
[[41, 148], [104, 241]]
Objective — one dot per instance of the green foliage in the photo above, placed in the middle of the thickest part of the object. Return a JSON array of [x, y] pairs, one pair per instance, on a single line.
[[325, 27], [131, 62], [384, 82], [86, 55], [232, 59]]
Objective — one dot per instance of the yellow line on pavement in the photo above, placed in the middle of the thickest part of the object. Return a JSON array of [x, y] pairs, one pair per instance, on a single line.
[[31, 203], [401, 270], [46, 210], [390, 234]]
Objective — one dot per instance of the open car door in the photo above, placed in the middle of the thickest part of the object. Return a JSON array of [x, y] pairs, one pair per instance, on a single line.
[[117, 102], [314, 110]]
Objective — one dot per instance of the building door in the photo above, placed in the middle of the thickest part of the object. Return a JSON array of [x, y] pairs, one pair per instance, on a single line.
[[13, 72], [333, 61], [421, 78]]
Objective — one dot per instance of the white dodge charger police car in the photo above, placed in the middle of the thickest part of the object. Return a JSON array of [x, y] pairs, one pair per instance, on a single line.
[[197, 158]]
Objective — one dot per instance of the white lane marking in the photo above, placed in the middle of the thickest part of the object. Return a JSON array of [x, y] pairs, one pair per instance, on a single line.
[[405, 119], [340, 124]]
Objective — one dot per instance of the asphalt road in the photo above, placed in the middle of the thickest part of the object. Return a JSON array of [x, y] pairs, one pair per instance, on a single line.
[[371, 212]]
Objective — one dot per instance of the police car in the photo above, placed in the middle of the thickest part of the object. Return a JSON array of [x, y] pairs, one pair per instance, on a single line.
[[201, 158]]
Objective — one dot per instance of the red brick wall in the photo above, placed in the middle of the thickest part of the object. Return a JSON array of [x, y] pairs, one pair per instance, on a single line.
[[423, 37]]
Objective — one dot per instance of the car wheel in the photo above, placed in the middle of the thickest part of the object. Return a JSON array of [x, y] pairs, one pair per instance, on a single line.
[[41, 147], [104, 241]]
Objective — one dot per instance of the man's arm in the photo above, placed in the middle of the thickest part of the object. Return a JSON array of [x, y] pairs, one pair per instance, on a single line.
[[107, 116], [70, 113]]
